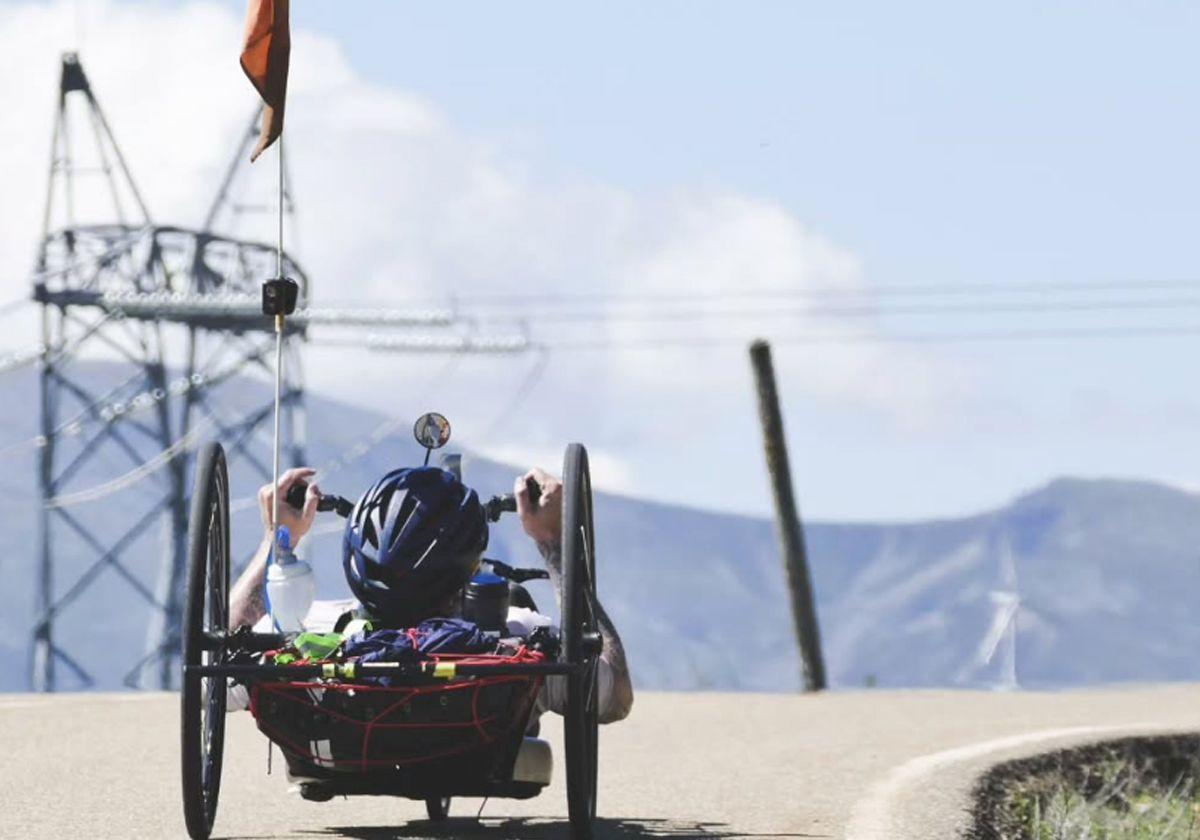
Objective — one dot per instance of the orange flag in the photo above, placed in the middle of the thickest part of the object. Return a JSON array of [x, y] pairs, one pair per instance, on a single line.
[[265, 55]]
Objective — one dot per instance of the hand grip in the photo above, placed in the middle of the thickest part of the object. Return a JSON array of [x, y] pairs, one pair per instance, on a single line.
[[534, 490], [296, 493], [508, 502]]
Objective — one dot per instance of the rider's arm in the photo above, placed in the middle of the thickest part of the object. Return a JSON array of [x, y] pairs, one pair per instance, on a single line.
[[544, 526], [246, 602]]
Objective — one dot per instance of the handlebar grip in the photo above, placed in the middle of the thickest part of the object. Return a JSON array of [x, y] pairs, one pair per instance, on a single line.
[[295, 495], [297, 492], [508, 502]]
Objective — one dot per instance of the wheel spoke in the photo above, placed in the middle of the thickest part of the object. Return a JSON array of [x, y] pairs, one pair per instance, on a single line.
[[589, 578], [591, 694]]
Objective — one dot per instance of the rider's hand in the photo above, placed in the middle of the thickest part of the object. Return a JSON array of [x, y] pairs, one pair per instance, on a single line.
[[297, 521], [543, 523]]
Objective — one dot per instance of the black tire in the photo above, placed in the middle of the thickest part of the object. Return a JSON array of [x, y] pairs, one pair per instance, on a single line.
[[438, 808], [206, 611], [579, 634]]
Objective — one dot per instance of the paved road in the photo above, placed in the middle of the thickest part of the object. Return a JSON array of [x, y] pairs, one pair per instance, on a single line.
[[889, 765]]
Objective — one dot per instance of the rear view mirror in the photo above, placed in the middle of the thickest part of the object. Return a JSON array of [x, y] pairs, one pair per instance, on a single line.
[[432, 431]]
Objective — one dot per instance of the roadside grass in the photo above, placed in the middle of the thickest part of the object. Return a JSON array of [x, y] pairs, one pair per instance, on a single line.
[[1125, 809], [1134, 789]]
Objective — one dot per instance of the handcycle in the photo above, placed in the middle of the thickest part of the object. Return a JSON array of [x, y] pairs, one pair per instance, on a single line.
[[429, 730]]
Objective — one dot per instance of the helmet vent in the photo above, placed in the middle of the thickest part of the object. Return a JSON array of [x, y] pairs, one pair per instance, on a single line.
[[401, 532], [432, 545], [368, 532]]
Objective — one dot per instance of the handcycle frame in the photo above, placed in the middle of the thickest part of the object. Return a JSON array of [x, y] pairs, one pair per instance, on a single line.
[[210, 651]]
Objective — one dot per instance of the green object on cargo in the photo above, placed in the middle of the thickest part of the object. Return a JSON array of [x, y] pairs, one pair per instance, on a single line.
[[316, 646]]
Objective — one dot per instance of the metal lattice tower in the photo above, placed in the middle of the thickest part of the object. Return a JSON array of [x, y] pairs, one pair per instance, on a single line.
[[176, 309], [177, 313]]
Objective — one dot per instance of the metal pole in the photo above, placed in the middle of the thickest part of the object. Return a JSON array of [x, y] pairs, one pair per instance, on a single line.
[[278, 366], [137, 195], [59, 116], [278, 389], [164, 620], [42, 672], [791, 535], [279, 243]]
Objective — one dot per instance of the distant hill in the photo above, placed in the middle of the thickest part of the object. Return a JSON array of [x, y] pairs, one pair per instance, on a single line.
[[1108, 576]]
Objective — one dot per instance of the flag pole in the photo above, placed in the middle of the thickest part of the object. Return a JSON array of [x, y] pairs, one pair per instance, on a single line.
[[278, 301], [266, 50], [279, 316]]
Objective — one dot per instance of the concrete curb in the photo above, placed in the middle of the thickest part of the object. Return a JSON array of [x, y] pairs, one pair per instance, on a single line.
[[934, 795]]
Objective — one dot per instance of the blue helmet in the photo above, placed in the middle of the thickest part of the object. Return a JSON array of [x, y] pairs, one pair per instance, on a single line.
[[412, 540]]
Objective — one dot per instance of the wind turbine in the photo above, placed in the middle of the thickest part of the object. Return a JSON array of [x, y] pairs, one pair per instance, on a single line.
[[1006, 604]]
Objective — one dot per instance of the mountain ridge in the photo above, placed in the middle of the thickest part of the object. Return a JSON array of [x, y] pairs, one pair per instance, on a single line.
[[1106, 573]]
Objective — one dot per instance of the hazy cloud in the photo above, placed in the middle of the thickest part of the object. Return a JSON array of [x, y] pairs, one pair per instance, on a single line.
[[395, 201]]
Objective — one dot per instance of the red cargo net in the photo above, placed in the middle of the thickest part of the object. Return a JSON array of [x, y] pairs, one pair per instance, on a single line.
[[407, 724]]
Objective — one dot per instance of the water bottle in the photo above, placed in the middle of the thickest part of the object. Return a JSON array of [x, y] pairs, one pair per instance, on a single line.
[[485, 602], [290, 585]]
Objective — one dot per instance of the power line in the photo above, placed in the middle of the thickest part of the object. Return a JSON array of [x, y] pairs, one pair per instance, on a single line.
[[18, 359], [35, 352], [471, 343], [248, 310], [528, 382], [132, 477], [482, 300], [661, 342], [858, 311], [377, 435], [107, 409]]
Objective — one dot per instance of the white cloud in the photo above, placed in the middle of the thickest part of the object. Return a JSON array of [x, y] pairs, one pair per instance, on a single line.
[[394, 200], [618, 478]]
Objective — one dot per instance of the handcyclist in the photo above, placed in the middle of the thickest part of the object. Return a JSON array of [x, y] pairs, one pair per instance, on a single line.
[[413, 542]]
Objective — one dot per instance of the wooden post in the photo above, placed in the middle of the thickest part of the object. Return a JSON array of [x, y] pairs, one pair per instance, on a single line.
[[791, 535]]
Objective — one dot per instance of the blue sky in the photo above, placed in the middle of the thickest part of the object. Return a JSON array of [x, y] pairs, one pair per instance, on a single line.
[[931, 143], [938, 141]]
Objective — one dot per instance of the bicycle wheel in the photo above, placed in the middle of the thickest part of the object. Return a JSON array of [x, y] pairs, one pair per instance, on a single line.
[[205, 625], [580, 641]]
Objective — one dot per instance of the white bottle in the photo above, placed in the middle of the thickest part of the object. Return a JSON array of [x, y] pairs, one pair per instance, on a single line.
[[290, 585]]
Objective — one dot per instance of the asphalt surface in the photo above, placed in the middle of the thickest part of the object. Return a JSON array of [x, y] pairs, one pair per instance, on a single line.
[[891, 765]]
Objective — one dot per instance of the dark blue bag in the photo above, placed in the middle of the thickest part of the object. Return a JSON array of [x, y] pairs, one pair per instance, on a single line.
[[434, 635]]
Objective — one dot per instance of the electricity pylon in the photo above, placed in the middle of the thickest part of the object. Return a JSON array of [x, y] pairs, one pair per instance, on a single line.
[[171, 307]]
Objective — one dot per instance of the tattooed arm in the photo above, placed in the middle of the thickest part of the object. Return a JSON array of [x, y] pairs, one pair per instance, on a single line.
[[613, 654], [543, 524], [247, 603]]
